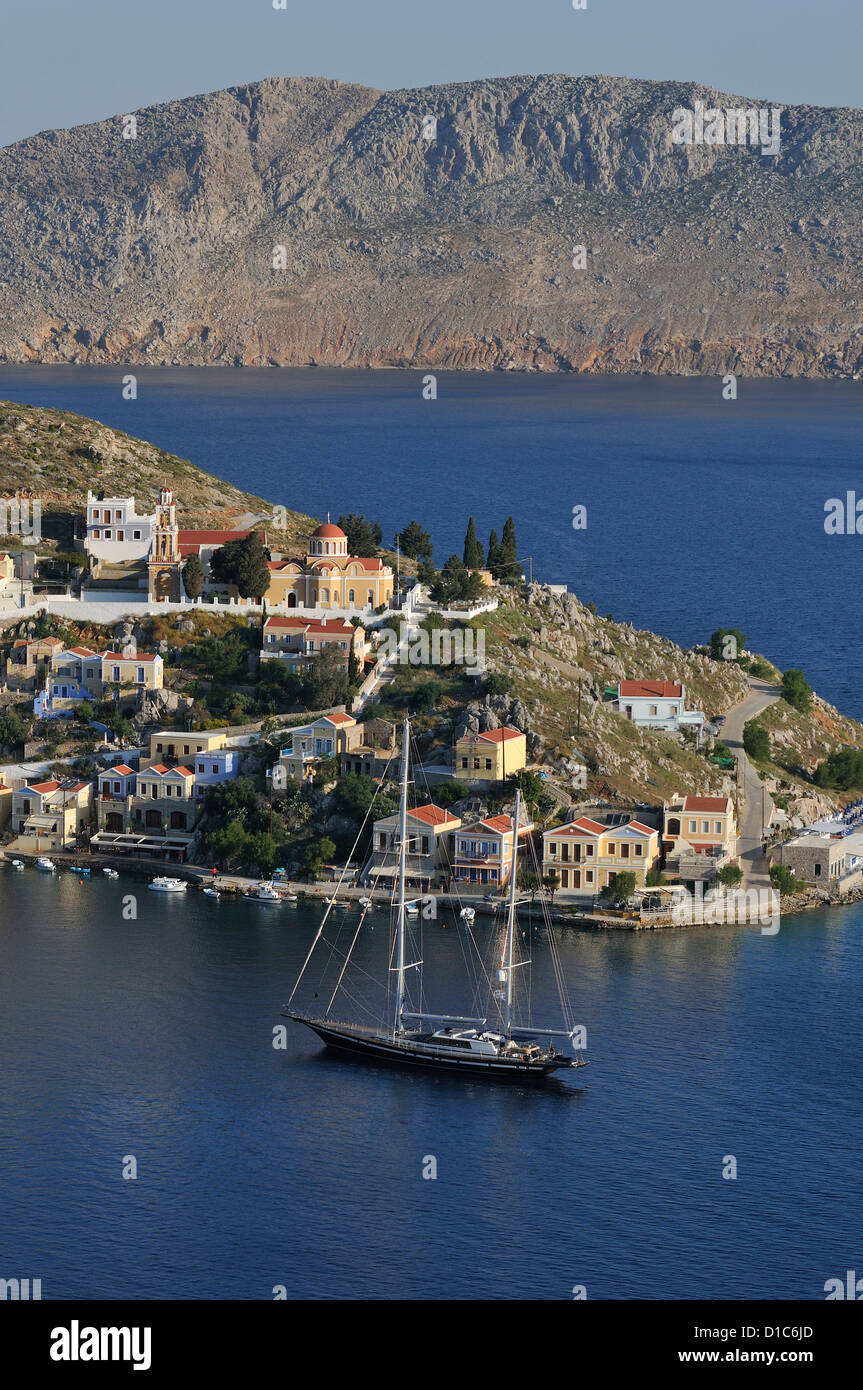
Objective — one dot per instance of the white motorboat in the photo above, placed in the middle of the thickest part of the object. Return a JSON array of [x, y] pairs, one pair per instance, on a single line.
[[18, 864], [264, 893], [46, 865], [412, 909], [110, 873], [290, 898], [365, 902], [167, 885], [467, 914], [211, 893]]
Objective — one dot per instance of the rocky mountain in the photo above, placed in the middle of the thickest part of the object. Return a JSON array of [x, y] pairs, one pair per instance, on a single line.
[[56, 456], [302, 221]]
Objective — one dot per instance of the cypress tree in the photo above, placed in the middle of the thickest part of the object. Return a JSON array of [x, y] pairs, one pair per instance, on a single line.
[[472, 548], [508, 552], [493, 557]]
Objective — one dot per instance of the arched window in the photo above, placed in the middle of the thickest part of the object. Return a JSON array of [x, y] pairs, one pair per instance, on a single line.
[[371, 598], [350, 596], [325, 595]]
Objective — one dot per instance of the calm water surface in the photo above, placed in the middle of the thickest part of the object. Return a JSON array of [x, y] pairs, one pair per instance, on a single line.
[[259, 1167]]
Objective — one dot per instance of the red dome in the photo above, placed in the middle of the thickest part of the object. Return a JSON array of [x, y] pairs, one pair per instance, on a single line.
[[330, 532]]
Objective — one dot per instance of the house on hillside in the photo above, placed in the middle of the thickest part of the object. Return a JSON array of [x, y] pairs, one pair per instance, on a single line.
[[656, 705], [699, 834], [489, 757], [310, 744], [299, 641]]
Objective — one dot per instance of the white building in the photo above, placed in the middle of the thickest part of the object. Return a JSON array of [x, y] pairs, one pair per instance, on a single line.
[[656, 705], [115, 532]]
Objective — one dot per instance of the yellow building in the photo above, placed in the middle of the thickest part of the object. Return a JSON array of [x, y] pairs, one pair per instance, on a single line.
[[489, 757], [172, 747], [328, 577], [584, 856], [700, 825]]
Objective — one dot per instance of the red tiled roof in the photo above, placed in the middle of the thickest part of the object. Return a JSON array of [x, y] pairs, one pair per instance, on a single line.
[[503, 735], [156, 767], [329, 531], [431, 814], [190, 542], [634, 825], [664, 690], [123, 770], [583, 826], [340, 718], [42, 787], [141, 656], [81, 651], [336, 626], [705, 803]]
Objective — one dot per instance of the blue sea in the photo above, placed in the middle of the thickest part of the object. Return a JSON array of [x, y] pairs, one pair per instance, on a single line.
[[701, 512], [258, 1168]]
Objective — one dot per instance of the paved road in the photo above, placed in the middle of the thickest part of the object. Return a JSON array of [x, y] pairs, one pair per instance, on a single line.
[[752, 861]]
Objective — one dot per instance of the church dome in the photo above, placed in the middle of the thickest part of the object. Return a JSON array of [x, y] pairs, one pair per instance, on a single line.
[[330, 532]]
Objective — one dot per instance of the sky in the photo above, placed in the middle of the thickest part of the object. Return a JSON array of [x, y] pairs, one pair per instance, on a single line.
[[66, 62]]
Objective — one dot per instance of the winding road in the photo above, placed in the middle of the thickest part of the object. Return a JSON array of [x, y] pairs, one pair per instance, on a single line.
[[752, 861]]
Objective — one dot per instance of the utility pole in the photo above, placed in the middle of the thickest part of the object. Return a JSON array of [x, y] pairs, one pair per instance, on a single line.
[[578, 720]]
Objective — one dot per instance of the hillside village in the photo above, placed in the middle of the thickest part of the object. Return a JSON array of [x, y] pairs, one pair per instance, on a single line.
[[231, 698]]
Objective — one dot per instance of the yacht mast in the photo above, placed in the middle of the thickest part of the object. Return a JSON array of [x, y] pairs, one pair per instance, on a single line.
[[510, 925], [403, 835]]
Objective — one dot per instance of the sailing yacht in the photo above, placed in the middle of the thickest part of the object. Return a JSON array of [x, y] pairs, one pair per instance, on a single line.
[[440, 1041]]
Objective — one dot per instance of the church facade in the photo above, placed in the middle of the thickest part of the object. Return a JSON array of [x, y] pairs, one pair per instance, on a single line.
[[328, 577]]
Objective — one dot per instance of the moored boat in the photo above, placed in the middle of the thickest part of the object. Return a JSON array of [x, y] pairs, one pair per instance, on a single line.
[[18, 864], [110, 873], [263, 893], [164, 884], [413, 1036], [46, 865]]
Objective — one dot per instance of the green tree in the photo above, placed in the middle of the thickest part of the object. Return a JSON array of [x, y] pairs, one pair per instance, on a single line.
[[783, 880], [472, 549], [193, 577], [496, 683], [13, 730], [528, 882], [243, 563], [415, 542], [529, 783], [364, 536], [325, 680], [318, 853], [756, 741], [796, 690], [261, 850], [229, 844], [842, 769], [655, 878], [727, 643], [354, 675], [730, 875], [508, 568], [620, 888], [492, 556]]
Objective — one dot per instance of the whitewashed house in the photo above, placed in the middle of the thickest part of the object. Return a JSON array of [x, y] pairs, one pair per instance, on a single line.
[[115, 532], [656, 705]]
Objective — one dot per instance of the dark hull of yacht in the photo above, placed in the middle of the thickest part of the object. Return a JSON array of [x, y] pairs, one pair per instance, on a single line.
[[408, 1052]]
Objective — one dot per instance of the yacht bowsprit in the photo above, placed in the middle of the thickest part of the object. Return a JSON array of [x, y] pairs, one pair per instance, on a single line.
[[415, 1037]]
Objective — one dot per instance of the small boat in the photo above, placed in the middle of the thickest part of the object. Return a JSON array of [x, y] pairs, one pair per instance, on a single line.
[[264, 893], [365, 902], [289, 898], [110, 873], [467, 914], [46, 865], [83, 871], [18, 864], [167, 885], [211, 893]]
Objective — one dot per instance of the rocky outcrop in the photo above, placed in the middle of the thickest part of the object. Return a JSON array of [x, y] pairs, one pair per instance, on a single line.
[[308, 222]]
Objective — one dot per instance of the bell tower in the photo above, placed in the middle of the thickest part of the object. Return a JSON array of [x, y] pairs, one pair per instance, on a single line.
[[163, 566]]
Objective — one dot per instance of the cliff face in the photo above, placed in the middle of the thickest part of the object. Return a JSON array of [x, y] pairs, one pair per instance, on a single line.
[[452, 253]]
